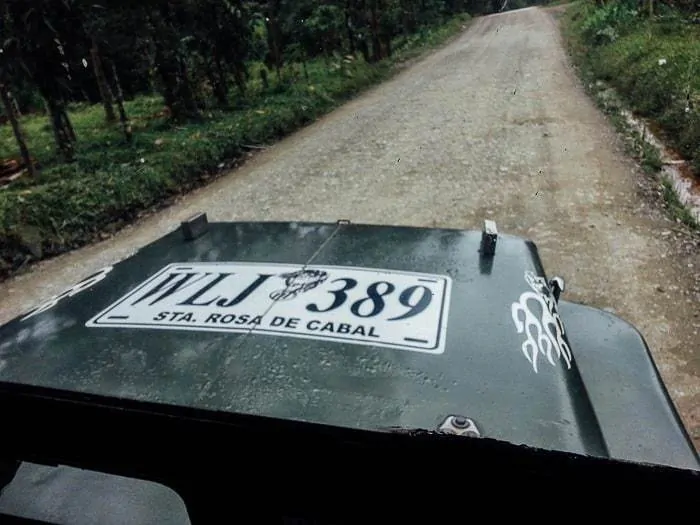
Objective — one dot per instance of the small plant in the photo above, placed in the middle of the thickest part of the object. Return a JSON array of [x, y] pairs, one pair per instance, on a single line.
[[676, 208]]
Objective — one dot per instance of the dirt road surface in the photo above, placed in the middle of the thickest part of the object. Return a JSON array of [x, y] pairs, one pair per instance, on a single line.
[[495, 125]]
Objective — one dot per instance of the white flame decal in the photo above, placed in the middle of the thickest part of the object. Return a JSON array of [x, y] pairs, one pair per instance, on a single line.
[[545, 335]]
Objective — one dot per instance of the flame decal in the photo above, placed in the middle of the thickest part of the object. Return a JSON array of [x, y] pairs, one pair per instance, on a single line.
[[544, 334]]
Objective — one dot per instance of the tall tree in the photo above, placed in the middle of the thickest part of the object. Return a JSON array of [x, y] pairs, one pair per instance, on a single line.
[[104, 25], [275, 40], [221, 39], [170, 60], [11, 113], [39, 48], [123, 118], [103, 86], [7, 72]]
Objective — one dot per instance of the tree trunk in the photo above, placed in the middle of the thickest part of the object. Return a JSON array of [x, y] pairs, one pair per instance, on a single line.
[[102, 85], [185, 92], [223, 84], [374, 29], [364, 49], [67, 126], [177, 92], [163, 63], [217, 87], [123, 118], [11, 113], [348, 26], [168, 82], [274, 38], [64, 143], [409, 17], [14, 104], [239, 77]]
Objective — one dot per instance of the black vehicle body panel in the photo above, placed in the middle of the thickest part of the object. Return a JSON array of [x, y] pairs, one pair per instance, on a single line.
[[635, 412]]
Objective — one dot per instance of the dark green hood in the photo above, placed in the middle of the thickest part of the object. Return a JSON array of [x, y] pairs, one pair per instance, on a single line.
[[497, 356]]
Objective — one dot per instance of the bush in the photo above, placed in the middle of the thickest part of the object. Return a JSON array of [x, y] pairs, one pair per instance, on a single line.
[[604, 25]]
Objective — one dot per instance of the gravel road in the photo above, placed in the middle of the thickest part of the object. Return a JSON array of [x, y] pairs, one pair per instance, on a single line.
[[494, 125]]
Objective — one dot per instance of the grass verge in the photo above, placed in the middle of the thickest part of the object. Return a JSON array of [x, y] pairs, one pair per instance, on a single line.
[[676, 208], [648, 66], [112, 183]]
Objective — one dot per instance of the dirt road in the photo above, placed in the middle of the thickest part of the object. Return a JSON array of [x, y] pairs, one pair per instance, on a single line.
[[495, 125]]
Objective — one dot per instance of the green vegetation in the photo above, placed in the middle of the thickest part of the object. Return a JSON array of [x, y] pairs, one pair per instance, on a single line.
[[109, 108], [110, 181], [653, 62]]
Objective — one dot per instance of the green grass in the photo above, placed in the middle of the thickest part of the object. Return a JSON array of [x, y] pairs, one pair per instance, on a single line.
[[647, 154], [110, 183], [651, 159], [624, 50], [653, 64]]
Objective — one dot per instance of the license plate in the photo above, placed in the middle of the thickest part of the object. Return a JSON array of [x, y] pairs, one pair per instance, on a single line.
[[365, 306]]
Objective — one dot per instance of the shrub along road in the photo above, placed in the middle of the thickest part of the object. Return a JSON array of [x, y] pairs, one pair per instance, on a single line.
[[494, 125]]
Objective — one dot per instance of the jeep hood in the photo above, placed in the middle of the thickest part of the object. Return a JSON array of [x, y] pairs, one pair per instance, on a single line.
[[429, 327]]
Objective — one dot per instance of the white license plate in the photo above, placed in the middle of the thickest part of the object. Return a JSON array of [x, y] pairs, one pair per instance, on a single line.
[[356, 305]]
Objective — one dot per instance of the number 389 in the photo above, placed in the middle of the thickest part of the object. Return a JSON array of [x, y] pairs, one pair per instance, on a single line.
[[414, 298]]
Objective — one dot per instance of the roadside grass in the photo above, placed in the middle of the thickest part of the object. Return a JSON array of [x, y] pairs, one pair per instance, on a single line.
[[111, 183], [639, 148], [676, 208], [649, 67]]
